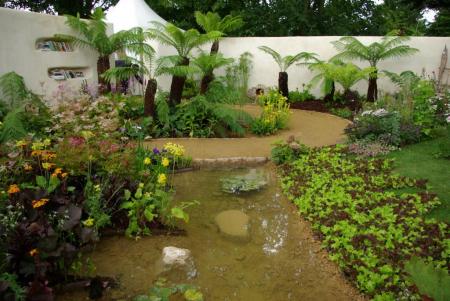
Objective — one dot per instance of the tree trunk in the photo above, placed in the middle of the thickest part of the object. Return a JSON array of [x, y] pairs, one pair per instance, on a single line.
[[149, 97], [176, 88], [283, 84], [214, 47], [102, 67], [206, 80], [372, 91], [330, 96]]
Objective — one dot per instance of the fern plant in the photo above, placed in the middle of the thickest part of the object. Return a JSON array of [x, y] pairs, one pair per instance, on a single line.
[[183, 42], [389, 47], [284, 62], [94, 35], [238, 74], [205, 65]]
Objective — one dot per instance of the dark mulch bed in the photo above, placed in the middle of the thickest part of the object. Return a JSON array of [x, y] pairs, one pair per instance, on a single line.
[[320, 105]]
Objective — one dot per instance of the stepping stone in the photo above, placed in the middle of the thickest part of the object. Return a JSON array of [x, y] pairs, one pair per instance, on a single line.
[[175, 256], [234, 223]]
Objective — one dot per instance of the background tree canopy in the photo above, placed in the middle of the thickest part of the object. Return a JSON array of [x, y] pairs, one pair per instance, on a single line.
[[284, 17]]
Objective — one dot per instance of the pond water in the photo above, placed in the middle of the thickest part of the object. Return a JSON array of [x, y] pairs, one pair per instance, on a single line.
[[278, 260]]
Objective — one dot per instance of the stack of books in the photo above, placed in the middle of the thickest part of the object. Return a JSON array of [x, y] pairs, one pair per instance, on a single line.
[[63, 74], [54, 46]]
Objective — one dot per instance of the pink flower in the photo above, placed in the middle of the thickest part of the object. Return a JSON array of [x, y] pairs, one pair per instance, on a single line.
[[76, 141]]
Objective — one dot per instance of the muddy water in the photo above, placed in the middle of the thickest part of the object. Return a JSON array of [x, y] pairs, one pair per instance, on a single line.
[[279, 261]]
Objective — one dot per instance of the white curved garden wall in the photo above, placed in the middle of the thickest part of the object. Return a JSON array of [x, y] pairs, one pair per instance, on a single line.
[[19, 31], [265, 70]]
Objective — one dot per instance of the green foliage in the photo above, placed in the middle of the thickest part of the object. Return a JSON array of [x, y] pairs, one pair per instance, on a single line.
[[444, 145], [13, 91], [284, 62], [206, 63], [274, 116], [10, 289], [140, 210], [245, 183], [287, 152], [369, 231], [94, 35], [200, 118], [182, 41], [13, 126], [431, 281], [342, 112], [238, 74], [300, 96], [389, 47], [210, 22], [94, 205], [164, 291]]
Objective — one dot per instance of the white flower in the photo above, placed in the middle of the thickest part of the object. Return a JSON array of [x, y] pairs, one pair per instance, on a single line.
[[448, 119], [380, 112], [369, 112]]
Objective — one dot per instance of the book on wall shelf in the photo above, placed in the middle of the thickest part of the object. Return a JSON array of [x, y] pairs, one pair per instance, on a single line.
[[54, 46], [63, 74]]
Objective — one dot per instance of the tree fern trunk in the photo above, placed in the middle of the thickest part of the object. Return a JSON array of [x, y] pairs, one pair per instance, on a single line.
[[372, 91], [102, 66], [330, 96], [206, 80], [176, 88], [283, 84], [215, 47], [149, 97]]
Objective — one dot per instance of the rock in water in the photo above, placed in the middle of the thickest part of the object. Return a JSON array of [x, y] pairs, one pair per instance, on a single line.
[[234, 223], [174, 255]]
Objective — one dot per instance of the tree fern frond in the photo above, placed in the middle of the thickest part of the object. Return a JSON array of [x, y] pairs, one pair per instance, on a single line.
[[276, 56], [13, 90], [13, 126]]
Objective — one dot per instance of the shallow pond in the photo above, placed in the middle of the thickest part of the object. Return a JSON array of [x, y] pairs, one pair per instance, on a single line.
[[279, 260]]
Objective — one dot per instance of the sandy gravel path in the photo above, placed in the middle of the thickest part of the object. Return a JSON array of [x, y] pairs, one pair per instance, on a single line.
[[310, 128]]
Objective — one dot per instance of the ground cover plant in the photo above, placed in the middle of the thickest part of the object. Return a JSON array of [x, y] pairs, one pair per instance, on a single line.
[[370, 229]]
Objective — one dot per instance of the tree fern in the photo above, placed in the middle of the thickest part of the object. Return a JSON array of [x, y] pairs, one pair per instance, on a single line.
[[13, 90], [13, 126]]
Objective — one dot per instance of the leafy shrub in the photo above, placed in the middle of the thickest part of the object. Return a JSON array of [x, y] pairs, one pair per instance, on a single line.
[[26, 111], [285, 152], [342, 112], [379, 125], [369, 148], [132, 107], [300, 96], [274, 116], [369, 230]]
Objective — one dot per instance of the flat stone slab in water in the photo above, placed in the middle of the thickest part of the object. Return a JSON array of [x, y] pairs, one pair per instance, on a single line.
[[174, 255], [233, 223]]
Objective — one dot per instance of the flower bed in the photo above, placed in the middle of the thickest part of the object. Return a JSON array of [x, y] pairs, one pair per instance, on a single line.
[[369, 229]]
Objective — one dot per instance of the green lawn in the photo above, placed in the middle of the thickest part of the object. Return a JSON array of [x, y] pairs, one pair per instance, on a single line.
[[419, 161]]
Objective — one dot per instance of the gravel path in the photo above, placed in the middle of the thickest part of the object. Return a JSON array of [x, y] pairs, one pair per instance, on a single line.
[[310, 128]]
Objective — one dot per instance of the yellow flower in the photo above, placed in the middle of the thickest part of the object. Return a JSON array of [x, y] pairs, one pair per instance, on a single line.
[[47, 142], [13, 189], [63, 175], [165, 162], [27, 167], [33, 252], [21, 143], [89, 222], [87, 134], [39, 203], [147, 161], [162, 179], [38, 145], [47, 166], [174, 149]]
